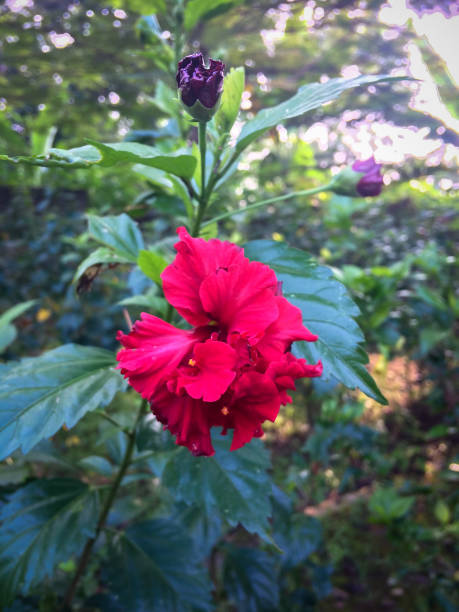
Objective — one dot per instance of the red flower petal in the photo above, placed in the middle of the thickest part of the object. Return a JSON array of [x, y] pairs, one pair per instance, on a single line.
[[287, 328], [241, 298], [153, 349], [196, 258], [255, 400], [186, 418], [211, 371], [287, 370]]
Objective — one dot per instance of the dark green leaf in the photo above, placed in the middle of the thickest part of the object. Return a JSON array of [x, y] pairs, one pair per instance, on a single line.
[[152, 568], [40, 394], [250, 578], [205, 529], [119, 233], [307, 98], [328, 311], [233, 484], [43, 523]]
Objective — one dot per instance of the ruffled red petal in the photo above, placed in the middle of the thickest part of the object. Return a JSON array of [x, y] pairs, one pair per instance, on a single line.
[[153, 349], [196, 258]]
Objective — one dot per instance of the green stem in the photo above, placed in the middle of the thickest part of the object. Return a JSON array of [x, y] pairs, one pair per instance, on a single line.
[[306, 192], [84, 559], [203, 195]]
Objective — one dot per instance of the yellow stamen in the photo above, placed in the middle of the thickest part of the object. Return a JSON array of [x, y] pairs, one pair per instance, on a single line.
[[225, 410], [191, 362]]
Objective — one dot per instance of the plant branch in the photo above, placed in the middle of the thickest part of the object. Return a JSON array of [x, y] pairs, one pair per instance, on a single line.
[[306, 192], [203, 195], [84, 559]]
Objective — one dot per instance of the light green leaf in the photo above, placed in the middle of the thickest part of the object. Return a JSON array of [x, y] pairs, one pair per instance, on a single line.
[[119, 233], [151, 264], [179, 164], [199, 10], [98, 153], [40, 394], [152, 567], [233, 484], [102, 255], [307, 98], [14, 312], [43, 524], [8, 335], [328, 311], [230, 101], [8, 332]]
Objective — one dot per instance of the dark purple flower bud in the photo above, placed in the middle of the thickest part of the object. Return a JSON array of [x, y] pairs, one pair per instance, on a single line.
[[200, 86], [371, 182]]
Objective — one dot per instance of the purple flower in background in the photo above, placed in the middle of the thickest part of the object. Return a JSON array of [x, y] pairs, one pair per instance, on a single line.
[[198, 84], [371, 182]]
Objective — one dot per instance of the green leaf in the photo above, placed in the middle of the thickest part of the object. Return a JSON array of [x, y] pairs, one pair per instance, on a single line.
[[43, 523], [151, 264], [199, 10], [110, 154], [94, 463], [307, 98], [8, 335], [12, 313], [119, 233], [152, 568], [233, 86], [8, 332], [102, 255], [250, 578], [79, 157], [297, 535], [179, 164], [40, 394], [233, 484], [205, 529], [328, 311]]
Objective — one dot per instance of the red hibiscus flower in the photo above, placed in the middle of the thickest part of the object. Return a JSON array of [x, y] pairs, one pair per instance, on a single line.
[[233, 368]]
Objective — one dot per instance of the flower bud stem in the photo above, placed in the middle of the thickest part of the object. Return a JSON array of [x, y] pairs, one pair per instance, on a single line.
[[306, 192], [203, 198]]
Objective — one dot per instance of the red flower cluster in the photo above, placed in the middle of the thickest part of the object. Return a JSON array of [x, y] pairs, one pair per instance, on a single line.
[[233, 368]]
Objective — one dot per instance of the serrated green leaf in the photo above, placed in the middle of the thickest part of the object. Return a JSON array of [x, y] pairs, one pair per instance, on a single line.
[[179, 164], [118, 232], [230, 101], [151, 264], [102, 255], [152, 568], [328, 311], [40, 394], [233, 484], [43, 523], [199, 10], [250, 578], [307, 98]]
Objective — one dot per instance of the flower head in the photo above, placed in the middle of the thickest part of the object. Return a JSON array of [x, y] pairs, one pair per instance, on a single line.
[[371, 182], [233, 368], [363, 179], [200, 86]]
